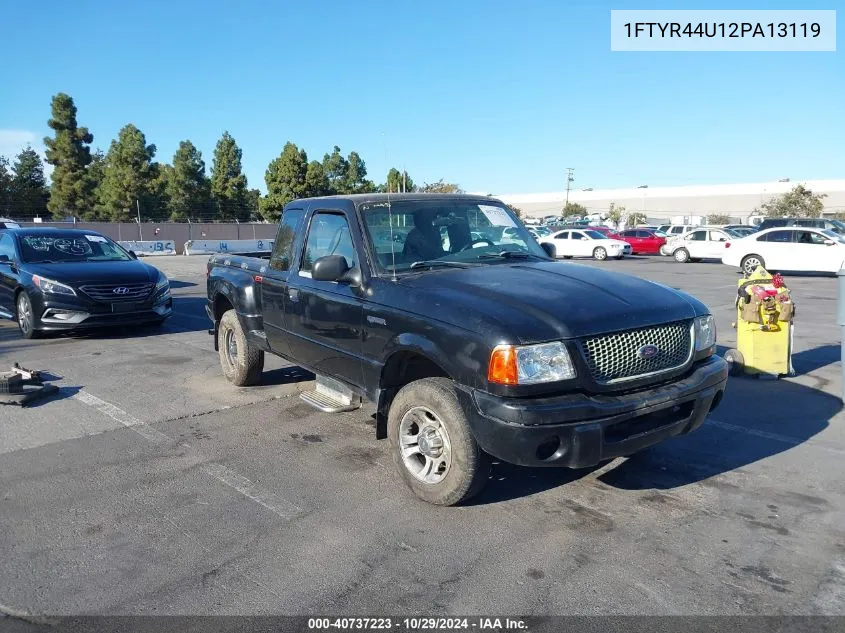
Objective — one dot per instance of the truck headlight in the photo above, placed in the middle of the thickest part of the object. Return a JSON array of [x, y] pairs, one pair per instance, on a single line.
[[52, 287], [705, 333], [163, 282], [530, 364]]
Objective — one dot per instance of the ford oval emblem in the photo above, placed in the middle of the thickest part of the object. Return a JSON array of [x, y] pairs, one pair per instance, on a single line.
[[648, 351]]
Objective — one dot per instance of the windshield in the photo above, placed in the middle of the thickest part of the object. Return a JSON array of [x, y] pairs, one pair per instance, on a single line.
[[457, 231], [838, 227], [69, 247], [832, 234]]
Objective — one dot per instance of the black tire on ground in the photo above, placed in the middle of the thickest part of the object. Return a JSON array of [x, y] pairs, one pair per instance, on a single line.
[[681, 255], [469, 467], [751, 261], [619, 256], [567, 256], [600, 253], [241, 362], [26, 316], [736, 363]]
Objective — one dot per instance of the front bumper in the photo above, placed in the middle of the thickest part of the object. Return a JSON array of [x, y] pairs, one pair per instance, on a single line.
[[578, 430], [62, 314]]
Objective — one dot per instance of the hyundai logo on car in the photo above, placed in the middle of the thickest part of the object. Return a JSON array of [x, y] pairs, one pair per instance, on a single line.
[[120, 290], [648, 351]]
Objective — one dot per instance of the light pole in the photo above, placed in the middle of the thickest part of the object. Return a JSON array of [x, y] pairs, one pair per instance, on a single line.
[[569, 180]]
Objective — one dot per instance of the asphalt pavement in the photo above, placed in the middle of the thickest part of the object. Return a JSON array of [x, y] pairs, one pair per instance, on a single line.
[[150, 485]]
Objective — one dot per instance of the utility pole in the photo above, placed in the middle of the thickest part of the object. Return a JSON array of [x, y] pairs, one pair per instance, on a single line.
[[140, 234], [569, 181]]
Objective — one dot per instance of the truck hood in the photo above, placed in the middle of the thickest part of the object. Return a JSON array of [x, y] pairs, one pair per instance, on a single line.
[[543, 301], [97, 272]]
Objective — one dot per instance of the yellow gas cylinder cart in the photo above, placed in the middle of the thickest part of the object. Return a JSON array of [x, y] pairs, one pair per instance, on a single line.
[[764, 322]]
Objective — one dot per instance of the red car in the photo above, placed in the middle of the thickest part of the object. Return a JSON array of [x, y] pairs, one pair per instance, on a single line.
[[643, 241], [606, 231]]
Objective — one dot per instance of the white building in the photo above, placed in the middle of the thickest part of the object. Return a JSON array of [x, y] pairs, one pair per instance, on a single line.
[[661, 203]]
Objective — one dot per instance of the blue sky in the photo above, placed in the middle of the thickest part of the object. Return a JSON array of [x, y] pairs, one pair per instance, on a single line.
[[497, 96]]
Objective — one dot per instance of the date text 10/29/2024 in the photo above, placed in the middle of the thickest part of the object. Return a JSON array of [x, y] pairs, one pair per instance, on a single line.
[[418, 624]]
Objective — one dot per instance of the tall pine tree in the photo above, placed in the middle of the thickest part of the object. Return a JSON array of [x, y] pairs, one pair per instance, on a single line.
[[286, 180], [29, 187], [70, 154], [187, 187], [128, 175], [5, 188], [228, 182]]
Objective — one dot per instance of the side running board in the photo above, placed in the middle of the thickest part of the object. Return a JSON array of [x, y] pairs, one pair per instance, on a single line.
[[331, 396]]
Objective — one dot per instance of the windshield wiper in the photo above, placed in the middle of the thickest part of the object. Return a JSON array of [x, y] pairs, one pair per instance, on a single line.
[[45, 261], [510, 255], [434, 263]]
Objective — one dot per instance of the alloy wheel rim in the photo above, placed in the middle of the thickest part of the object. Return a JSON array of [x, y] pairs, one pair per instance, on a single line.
[[24, 314], [425, 446], [231, 347]]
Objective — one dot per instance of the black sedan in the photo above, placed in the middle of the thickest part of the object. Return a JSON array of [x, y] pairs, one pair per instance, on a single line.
[[66, 279]]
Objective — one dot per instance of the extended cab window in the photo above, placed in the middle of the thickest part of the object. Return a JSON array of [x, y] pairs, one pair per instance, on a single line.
[[329, 234], [288, 228], [7, 248]]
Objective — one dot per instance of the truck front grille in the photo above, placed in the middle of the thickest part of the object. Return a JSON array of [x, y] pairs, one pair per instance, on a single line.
[[619, 357], [118, 293]]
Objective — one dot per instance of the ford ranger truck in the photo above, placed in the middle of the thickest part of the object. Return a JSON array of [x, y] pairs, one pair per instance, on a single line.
[[470, 345]]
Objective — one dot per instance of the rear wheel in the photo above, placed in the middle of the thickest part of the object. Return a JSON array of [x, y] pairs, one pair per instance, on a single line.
[[26, 316], [681, 255], [600, 253], [750, 262], [736, 363], [432, 444], [242, 363]]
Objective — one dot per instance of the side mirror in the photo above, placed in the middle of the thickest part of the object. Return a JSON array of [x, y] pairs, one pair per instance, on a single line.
[[549, 248], [133, 255], [829, 243], [330, 268]]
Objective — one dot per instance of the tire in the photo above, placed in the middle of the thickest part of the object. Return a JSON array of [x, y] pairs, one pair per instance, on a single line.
[[26, 316], [429, 408], [681, 256], [241, 362], [600, 253], [619, 256], [750, 262], [736, 362]]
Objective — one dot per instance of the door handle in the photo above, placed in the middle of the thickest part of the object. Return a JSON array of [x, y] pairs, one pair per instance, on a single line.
[[293, 294]]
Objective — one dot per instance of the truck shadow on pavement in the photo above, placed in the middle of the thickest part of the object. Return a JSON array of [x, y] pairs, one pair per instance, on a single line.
[[756, 419]]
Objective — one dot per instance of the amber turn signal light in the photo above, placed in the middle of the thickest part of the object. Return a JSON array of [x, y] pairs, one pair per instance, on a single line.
[[502, 369]]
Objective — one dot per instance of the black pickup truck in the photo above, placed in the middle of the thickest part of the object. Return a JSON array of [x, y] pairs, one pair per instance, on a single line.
[[470, 339]]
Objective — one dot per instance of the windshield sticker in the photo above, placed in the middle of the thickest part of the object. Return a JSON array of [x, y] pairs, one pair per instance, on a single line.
[[72, 246], [95, 238], [38, 243], [497, 215]]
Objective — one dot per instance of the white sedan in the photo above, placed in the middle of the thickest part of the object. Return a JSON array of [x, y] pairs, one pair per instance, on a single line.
[[793, 248], [586, 243], [700, 243]]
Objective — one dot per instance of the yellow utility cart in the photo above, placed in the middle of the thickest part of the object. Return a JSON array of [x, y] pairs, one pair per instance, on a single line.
[[764, 321]]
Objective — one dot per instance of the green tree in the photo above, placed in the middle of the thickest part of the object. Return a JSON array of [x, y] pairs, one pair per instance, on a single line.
[[228, 182], [718, 218], [128, 175], [356, 175], [29, 193], [316, 181], [398, 181], [440, 187], [69, 152], [286, 180], [635, 219], [95, 174], [572, 209], [615, 213], [155, 204], [800, 202], [187, 189], [516, 210], [336, 169], [253, 200], [5, 187]]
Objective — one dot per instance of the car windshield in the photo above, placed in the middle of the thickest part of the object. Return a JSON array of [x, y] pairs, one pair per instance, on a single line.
[[660, 233], [832, 234], [57, 248], [457, 232], [838, 227]]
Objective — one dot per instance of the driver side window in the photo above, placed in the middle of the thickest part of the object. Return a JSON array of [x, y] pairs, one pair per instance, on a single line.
[[7, 248], [328, 234]]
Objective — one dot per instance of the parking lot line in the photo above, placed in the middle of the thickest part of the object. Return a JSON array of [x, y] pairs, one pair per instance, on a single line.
[[221, 473], [777, 437]]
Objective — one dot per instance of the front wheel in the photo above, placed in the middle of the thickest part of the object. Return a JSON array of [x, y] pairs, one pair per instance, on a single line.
[[600, 253], [432, 444], [681, 256], [242, 363], [26, 316], [736, 363]]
